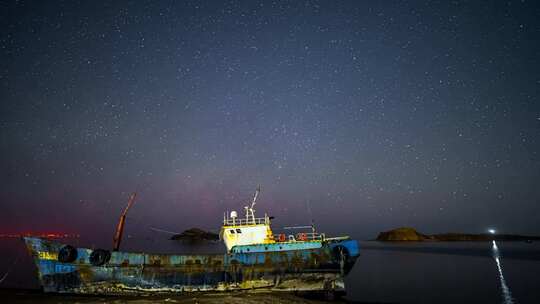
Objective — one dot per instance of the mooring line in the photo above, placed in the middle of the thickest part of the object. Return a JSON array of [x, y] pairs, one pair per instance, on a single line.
[[9, 269]]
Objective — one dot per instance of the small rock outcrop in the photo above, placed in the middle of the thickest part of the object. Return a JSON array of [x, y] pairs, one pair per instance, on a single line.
[[401, 234], [194, 235]]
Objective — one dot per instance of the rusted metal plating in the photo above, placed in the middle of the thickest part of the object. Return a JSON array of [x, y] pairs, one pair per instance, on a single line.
[[127, 273]]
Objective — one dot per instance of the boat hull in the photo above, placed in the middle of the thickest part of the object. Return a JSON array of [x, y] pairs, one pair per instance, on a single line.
[[317, 269]]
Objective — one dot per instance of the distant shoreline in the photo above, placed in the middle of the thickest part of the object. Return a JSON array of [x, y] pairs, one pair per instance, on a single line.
[[409, 234]]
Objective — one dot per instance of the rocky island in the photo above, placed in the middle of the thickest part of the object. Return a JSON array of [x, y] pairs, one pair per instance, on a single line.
[[410, 234], [195, 235]]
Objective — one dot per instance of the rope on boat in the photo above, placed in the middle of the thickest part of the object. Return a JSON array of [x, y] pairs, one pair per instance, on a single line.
[[163, 230]]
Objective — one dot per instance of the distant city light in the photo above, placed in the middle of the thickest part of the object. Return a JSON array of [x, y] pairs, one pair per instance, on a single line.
[[51, 235]]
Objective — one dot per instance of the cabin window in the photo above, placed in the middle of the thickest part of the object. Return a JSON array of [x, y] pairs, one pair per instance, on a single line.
[[238, 231], [231, 231]]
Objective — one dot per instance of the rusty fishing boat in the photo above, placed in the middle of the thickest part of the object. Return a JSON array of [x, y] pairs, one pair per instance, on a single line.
[[255, 259]]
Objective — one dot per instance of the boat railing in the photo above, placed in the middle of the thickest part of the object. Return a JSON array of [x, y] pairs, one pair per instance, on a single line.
[[299, 237], [245, 222]]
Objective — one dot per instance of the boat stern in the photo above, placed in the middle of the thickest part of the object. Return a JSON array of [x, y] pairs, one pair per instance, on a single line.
[[345, 252]]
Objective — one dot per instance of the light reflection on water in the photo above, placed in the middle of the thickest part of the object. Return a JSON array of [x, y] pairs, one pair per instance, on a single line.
[[507, 295], [445, 272]]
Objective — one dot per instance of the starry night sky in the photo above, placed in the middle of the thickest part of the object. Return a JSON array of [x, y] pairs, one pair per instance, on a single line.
[[363, 115]]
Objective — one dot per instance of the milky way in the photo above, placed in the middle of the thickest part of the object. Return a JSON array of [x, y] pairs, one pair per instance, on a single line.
[[364, 116]]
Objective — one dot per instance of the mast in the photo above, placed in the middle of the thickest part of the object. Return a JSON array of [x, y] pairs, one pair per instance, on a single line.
[[250, 212], [120, 227]]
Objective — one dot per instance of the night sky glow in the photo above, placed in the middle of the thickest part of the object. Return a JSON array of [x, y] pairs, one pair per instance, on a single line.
[[367, 115]]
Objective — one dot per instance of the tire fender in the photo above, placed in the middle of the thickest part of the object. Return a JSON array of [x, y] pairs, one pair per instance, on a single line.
[[99, 257]]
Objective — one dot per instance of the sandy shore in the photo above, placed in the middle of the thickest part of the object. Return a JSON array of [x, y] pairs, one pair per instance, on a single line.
[[34, 296]]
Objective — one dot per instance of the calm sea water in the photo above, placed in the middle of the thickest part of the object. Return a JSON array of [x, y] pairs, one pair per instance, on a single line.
[[460, 272], [457, 272]]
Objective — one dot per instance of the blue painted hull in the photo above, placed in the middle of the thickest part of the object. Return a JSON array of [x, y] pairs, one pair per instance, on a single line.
[[294, 267]]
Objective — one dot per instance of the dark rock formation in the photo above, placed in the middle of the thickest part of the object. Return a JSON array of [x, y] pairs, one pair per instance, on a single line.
[[401, 234], [194, 235], [410, 234]]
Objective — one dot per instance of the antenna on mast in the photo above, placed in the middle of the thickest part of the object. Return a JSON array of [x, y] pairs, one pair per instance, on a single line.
[[255, 197], [250, 212]]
